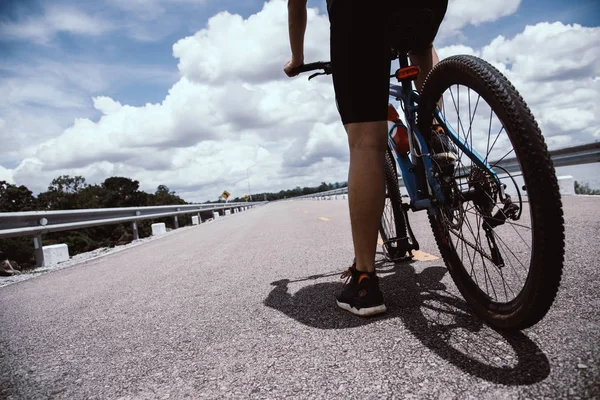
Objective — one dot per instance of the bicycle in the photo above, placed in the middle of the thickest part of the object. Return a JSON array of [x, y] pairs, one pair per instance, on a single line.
[[470, 205]]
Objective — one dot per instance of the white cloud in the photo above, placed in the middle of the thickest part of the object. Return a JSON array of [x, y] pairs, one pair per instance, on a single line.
[[548, 51], [6, 174], [42, 98], [250, 50], [233, 109], [55, 19], [152, 9], [556, 68], [461, 13]]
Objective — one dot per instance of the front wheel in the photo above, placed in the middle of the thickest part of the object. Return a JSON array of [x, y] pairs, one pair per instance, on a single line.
[[501, 237]]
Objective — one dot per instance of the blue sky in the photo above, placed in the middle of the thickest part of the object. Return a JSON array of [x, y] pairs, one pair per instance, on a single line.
[[185, 20], [56, 57]]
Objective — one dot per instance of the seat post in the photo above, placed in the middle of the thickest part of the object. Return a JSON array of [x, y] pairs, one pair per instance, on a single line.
[[403, 58]]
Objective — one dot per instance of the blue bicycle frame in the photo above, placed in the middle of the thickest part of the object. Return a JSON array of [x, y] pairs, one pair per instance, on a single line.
[[422, 186]]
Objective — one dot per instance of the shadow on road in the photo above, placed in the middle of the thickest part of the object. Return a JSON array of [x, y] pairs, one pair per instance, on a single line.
[[439, 320]]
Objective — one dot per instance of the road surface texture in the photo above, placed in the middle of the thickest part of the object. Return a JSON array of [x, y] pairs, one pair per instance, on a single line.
[[243, 308]]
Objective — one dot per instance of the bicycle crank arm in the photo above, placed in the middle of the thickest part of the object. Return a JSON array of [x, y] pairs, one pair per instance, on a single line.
[[413, 239]]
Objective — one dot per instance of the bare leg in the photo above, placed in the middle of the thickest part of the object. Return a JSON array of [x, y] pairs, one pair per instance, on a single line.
[[425, 60], [366, 188]]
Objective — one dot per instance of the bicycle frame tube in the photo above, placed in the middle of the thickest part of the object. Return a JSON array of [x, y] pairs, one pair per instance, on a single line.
[[415, 174]]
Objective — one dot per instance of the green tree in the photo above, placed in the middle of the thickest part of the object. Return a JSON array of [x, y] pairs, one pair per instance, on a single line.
[[122, 192], [584, 188], [68, 184], [62, 193], [15, 198], [164, 197]]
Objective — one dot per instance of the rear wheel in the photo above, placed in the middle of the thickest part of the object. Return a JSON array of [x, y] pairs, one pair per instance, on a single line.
[[502, 242], [393, 223]]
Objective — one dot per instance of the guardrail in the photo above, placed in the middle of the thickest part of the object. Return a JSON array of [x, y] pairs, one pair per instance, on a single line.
[[585, 154], [576, 155], [35, 223], [328, 193]]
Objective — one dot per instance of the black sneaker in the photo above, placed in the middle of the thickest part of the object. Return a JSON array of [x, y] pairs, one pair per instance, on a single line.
[[362, 295]]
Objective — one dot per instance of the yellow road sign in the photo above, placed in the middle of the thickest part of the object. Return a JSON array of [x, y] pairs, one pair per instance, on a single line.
[[225, 194], [246, 197]]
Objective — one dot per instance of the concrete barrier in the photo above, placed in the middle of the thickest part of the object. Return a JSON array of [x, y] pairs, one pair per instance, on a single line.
[[566, 185], [195, 220], [55, 254], [159, 229], [227, 212], [215, 215]]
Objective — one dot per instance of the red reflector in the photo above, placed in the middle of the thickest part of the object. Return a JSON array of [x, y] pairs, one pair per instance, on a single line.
[[410, 72]]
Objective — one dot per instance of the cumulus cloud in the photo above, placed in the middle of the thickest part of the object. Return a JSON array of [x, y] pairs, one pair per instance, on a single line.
[[461, 13], [233, 113], [6, 174], [151, 9], [43, 97], [556, 67], [250, 50]]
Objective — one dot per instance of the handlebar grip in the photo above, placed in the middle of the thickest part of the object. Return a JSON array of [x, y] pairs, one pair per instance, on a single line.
[[326, 66]]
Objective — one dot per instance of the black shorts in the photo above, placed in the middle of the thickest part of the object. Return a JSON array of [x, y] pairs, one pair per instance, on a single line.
[[362, 34]]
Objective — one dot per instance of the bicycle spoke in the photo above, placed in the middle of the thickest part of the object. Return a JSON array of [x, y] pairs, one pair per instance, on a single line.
[[478, 224], [506, 222], [469, 254], [509, 249], [498, 162], [493, 144], [471, 116], [458, 111], [488, 137], [510, 263], [486, 275], [459, 125]]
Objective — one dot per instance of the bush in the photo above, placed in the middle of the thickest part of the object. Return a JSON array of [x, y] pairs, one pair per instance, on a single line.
[[584, 188], [19, 249]]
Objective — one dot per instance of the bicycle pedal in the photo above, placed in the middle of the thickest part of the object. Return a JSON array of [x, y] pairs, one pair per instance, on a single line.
[[406, 257]]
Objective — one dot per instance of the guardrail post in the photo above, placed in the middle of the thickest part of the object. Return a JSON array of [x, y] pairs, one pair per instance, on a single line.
[[39, 250], [136, 235], [199, 218], [176, 222]]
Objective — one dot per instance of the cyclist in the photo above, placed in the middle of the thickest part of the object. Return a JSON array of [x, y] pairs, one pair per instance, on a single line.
[[362, 34]]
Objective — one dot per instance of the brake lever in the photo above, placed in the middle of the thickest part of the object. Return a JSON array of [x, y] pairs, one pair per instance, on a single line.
[[317, 74]]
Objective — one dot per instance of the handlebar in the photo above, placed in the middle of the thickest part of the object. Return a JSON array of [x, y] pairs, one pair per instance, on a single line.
[[324, 65]]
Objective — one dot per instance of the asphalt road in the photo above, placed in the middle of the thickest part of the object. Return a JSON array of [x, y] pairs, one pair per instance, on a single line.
[[243, 307]]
